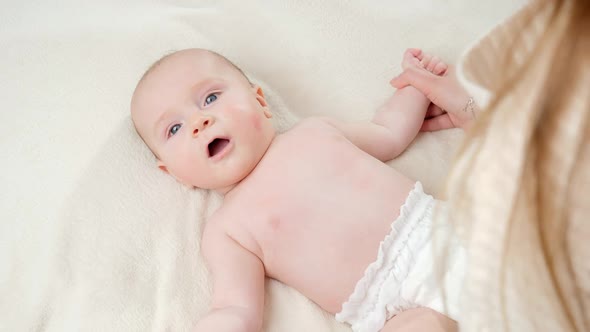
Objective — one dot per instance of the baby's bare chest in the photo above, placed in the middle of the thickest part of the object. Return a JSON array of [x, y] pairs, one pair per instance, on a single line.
[[311, 168], [312, 183]]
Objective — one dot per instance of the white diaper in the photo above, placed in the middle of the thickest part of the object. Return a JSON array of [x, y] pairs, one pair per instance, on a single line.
[[404, 275]]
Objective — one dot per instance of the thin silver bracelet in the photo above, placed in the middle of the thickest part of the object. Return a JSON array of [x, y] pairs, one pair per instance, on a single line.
[[470, 107]]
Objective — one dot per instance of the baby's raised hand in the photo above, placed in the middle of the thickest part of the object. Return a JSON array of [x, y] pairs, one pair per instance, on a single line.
[[414, 57], [437, 81]]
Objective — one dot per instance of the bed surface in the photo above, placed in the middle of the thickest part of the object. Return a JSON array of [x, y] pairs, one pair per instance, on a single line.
[[92, 236]]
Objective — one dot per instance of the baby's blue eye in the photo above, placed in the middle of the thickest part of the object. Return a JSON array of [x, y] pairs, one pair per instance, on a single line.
[[174, 129], [210, 98]]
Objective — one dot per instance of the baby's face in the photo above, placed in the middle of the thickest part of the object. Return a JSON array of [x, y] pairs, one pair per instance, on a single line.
[[208, 126]]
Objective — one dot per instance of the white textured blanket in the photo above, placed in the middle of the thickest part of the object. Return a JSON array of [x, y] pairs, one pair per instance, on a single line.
[[92, 236]]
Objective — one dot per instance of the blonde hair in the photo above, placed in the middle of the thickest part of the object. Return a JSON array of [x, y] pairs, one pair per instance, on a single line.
[[533, 138]]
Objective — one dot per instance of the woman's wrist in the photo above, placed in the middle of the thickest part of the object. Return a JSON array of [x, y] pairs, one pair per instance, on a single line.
[[470, 108], [468, 113]]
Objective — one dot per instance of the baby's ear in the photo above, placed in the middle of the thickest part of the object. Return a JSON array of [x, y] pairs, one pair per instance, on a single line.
[[259, 95], [162, 166]]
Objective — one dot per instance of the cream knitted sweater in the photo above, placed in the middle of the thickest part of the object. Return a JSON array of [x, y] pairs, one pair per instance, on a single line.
[[498, 169]]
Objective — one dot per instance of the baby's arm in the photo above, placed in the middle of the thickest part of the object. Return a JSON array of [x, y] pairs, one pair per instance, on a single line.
[[395, 124], [402, 116], [238, 284]]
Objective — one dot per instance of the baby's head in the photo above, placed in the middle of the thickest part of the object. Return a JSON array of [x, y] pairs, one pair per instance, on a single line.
[[207, 125]]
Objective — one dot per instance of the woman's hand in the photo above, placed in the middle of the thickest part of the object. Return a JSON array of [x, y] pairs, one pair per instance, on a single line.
[[449, 107]]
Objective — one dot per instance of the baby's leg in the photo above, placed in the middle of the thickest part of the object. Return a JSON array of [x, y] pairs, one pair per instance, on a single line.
[[420, 319]]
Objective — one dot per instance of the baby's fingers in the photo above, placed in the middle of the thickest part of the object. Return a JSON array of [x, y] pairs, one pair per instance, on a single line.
[[426, 59], [412, 58], [415, 52], [433, 63], [440, 69]]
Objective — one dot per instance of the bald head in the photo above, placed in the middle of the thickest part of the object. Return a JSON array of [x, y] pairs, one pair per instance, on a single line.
[[196, 52], [156, 89]]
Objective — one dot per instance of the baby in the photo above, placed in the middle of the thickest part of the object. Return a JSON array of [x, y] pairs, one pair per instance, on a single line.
[[315, 207]]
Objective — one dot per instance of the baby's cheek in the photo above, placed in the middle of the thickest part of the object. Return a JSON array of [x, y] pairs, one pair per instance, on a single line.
[[187, 166], [256, 121]]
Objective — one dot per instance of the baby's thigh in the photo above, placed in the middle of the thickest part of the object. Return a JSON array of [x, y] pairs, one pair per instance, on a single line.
[[418, 320]]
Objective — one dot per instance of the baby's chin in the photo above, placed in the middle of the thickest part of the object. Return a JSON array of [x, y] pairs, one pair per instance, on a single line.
[[234, 174]]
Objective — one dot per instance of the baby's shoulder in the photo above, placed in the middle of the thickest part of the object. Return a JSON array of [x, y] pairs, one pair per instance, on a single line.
[[228, 225], [315, 121], [312, 131], [317, 124], [214, 225], [217, 225], [229, 217], [221, 219]]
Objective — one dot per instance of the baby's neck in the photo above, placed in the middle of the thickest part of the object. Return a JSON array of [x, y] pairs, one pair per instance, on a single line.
[[224, 191], [227, 191]]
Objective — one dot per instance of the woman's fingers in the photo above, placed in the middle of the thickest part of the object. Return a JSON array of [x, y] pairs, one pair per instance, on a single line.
[[444, 91], [437, 123], [416, 77], [433, 111]]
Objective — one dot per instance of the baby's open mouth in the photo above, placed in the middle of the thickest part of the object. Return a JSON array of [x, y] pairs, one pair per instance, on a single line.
[[216, 146]]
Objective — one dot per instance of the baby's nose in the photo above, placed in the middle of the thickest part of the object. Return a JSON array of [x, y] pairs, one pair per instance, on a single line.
[[201, 123]]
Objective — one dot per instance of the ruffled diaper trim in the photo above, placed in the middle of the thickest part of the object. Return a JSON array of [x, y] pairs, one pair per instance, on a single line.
[[371, 304]]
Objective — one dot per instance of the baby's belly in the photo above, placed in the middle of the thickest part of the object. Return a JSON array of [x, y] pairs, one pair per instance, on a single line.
[[322, 250], [328, 209]]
